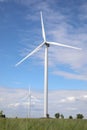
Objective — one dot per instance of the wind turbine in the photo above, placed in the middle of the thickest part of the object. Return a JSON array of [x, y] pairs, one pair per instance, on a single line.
[[46, 44], [29, 102]]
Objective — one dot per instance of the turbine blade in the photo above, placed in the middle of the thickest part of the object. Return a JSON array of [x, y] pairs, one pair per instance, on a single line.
[[64, 45], [30, 54], [43, 30]]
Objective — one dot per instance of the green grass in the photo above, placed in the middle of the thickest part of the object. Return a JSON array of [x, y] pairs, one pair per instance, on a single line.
[[43, 124]]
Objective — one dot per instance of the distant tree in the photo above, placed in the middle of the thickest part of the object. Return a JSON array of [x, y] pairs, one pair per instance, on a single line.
[[57, 115], [1, 114], [80, 116], [47, 115], [62, 116], [70, 117]]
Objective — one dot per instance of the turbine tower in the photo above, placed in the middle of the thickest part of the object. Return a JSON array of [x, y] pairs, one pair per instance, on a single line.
[[46, 44], [29, 102]]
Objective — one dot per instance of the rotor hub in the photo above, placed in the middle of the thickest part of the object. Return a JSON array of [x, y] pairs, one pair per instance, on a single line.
[[48, 45]]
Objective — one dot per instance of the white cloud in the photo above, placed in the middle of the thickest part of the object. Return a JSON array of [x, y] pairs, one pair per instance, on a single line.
[[13, 105], [1, 99], [83, 11], [71, 99], [2, 0], [72, 108], [70, 75], [67, 102], [85, 96], [15, 99]]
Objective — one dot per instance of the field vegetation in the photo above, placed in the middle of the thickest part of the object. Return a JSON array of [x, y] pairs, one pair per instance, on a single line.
[[42, 124]]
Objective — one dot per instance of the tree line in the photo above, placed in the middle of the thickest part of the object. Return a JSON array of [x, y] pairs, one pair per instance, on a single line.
[[78, 116], [57, 115]]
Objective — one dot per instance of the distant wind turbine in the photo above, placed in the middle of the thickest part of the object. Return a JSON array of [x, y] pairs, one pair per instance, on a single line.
[[46, 44], [30, 99], [29, 103]]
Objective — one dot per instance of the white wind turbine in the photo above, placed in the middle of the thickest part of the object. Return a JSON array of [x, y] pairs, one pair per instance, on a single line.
[[29, 102], [46, 44]]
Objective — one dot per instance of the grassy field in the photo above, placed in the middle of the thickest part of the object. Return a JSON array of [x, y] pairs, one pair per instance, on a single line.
[[43, 124]]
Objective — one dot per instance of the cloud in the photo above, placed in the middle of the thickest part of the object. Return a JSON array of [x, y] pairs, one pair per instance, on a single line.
[[16, 99], [69, 102], [13, 105], [71, 108], [85, 96], [83, 10], [70, 75], [71, 99], [2, 0], [1, 99], [68, 99]]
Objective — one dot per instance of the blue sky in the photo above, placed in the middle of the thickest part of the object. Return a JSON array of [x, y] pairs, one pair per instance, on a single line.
[[20, 32]]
